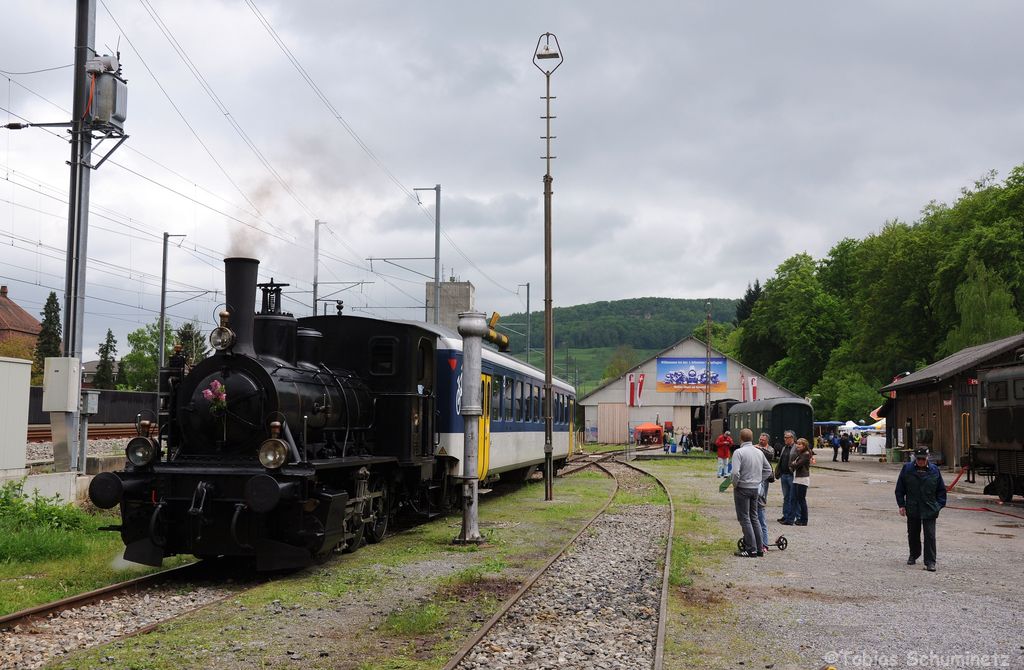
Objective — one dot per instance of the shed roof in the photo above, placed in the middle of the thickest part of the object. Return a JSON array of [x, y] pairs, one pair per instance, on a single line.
[[14, 318], [965, 359]]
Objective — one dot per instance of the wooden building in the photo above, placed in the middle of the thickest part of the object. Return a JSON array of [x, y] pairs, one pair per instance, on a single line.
[[937, 406]]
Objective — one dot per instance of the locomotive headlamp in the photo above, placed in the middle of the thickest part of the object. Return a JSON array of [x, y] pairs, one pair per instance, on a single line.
[[273, 453], [141, 451], [222, 337]]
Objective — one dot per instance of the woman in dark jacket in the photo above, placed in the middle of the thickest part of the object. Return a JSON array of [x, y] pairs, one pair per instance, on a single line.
[[800, 464]]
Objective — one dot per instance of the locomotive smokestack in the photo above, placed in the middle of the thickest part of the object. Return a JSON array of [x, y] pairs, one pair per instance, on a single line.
[[240, 293]]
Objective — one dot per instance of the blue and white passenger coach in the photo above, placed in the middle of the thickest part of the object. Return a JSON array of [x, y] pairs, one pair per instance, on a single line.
[[512, 423]]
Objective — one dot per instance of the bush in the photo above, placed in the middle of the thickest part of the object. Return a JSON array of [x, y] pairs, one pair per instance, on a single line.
[[36, 528], [19, 511]]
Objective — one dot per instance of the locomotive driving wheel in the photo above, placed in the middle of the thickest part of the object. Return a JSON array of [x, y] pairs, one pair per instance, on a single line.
[[380, 512]]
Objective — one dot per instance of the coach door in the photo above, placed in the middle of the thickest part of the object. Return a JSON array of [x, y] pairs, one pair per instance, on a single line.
[[483, 456]]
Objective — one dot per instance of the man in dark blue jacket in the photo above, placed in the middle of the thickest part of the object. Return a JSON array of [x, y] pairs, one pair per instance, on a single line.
[[920, 494]]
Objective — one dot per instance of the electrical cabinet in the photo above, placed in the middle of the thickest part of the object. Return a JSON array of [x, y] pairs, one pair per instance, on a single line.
[[62, 381]]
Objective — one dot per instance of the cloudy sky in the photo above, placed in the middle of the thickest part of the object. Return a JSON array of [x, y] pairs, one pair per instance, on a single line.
[[699, 144]]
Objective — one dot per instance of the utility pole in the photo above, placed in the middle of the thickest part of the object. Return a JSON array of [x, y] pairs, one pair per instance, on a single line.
[[707, 379], [163, 306], [316, 258], [78, 193]]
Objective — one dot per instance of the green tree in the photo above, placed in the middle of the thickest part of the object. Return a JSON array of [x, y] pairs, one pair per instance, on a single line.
[[793, 328], [622, 361], [48, 344], [746, 304], [138, 368], [721, 336], [104, 378], [192, 341], [986, 310]]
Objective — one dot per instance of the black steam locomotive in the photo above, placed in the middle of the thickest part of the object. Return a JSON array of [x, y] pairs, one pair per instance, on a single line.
[[296, 437], [1000, 455]]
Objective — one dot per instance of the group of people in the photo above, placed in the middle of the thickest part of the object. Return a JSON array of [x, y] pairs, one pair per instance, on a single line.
[[920, 491], [844, 442], [751, 472]]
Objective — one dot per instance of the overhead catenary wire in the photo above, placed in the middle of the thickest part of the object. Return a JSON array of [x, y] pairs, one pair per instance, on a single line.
[[212, 94], [178, 193]]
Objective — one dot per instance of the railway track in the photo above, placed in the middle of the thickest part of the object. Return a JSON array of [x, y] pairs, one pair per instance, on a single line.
[[41, 433], [533, 627], [36, 636]]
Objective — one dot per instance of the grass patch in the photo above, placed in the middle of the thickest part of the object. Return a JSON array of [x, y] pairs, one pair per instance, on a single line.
[[50, 549], [420, 620]]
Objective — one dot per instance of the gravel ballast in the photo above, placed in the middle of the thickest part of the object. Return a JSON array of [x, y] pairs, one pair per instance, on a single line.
[[33, 645], [597, 606]]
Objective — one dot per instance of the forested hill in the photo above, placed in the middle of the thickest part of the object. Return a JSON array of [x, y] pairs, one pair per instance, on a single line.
[[643, 323]]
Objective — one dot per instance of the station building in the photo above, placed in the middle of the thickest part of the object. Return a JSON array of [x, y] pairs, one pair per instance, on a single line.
[[669, 387]]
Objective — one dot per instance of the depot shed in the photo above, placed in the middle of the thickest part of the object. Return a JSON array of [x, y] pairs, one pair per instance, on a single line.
[[673, 390], [937, 406]]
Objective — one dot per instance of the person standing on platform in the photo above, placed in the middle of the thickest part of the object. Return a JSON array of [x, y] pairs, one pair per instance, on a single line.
[[785, 475], [724, 446], [800, 464], [845, 443], [750, 468], [921, 494], [762, 491]]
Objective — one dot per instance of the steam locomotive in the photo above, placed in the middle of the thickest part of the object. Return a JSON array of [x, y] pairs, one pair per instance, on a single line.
[[301, 436], [1000, 455]]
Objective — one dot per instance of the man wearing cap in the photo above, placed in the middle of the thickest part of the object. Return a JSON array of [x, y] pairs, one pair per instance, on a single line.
[[920, 494]]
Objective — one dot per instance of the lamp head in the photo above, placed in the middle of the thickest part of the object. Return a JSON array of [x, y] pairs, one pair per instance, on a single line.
[[548, 51]]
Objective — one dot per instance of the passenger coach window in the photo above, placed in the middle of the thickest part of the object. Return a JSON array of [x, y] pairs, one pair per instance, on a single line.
[[519, 401], [529, 413], [538, 404], [507, 403], [382, 355], [997, 390], [1018, 389], [496, 388]]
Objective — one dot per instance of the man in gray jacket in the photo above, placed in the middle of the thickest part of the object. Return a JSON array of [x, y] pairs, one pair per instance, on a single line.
[[749, 469]]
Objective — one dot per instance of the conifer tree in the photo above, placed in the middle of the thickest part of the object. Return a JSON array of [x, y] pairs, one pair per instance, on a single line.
[[104, 378], [48, 344]]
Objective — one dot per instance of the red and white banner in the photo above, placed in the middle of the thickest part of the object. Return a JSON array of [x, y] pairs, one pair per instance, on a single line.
[[753, 388], [640, 391], [630, 390], [743, 387]]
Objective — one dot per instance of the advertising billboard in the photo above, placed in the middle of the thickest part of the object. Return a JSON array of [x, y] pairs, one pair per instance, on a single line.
[[690, 375]]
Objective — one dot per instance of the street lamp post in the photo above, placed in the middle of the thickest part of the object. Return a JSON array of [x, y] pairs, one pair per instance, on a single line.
[[545, 56], [437, 248]]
